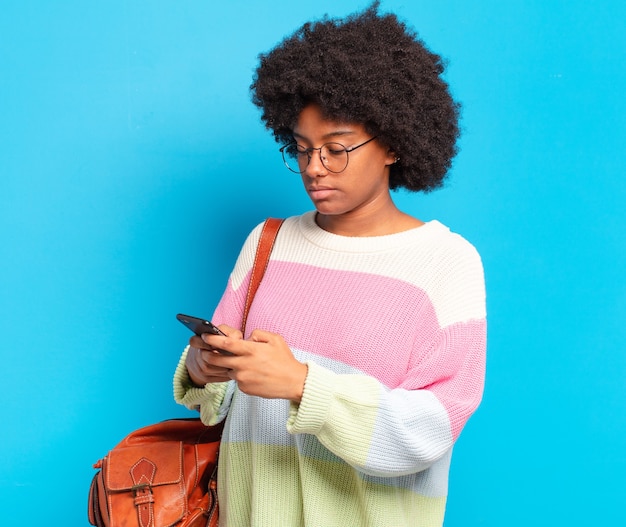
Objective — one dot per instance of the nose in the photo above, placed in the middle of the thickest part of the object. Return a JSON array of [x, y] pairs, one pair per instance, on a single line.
[[316, 168]]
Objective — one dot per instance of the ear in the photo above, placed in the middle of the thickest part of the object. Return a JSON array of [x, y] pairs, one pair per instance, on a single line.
[[392, 157]]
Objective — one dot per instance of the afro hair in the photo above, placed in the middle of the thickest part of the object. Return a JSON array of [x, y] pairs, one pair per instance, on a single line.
[[369, 69]]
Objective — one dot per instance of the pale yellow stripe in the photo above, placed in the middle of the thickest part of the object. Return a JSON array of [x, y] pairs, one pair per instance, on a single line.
[[290, 491]]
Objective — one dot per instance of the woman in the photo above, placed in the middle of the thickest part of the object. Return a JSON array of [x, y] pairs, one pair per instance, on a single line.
[[364, 350]]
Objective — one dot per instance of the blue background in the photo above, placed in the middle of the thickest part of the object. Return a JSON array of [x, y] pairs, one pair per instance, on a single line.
[[132, 166]]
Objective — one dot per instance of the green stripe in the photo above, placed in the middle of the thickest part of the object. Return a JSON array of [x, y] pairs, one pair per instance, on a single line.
[[270, 486]]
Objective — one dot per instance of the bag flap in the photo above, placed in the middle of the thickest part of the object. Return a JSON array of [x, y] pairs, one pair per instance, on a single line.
[[158, 464]]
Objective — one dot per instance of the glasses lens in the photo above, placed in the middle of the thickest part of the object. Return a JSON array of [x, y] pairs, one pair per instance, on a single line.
[[334, 157], [293, 158]]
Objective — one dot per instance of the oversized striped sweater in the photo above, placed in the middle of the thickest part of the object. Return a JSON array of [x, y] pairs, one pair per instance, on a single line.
[[393, 330]]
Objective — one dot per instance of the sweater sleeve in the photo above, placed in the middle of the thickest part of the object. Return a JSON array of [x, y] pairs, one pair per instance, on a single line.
[[386, 432], [389, 432], [212, 400]]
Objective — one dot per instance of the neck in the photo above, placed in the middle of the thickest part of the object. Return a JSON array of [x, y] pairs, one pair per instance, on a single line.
[[389, 220]]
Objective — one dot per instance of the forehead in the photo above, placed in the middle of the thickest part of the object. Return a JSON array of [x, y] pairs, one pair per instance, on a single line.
[[312, 124]]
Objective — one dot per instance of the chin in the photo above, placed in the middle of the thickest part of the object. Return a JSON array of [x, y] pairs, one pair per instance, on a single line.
[[328, 211]]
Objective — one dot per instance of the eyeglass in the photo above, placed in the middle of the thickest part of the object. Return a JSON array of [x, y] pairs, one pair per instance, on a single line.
[[334, 156]]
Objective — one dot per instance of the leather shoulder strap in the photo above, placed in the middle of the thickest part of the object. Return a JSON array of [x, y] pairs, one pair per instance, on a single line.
[[261, 259]]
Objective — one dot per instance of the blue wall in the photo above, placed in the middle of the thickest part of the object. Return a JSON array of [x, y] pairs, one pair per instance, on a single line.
[[132, 165]]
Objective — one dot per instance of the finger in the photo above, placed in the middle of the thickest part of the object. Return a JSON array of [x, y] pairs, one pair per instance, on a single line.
[[260, 335], [209, 370], [205, 363], [224, 345], [198, 343], [219, 360], [220, 378], [231, 332], [199, 361]]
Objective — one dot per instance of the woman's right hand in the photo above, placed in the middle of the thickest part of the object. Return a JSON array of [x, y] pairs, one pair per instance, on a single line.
[[199, 369]]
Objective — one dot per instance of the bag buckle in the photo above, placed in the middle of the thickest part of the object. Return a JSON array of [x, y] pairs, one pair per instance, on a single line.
[[141, 488]]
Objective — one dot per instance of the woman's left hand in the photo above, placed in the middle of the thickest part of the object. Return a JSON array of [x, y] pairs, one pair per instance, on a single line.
[[263, 365]]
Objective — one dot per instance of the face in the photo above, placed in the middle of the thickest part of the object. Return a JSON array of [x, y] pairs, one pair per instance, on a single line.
[[363, 186]]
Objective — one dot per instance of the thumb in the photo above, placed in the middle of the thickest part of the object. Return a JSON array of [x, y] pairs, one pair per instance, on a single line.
[[259, 335]]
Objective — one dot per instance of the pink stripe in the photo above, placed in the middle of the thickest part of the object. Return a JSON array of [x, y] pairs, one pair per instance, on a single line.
[[363, 317], [456, 369], [379, 325]]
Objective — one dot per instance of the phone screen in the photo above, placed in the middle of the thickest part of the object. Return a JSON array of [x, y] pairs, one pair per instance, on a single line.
[[199, 325]]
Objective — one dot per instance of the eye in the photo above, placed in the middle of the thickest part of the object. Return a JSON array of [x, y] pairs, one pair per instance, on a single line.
[[334, 149], [295, 151], [301, 151]]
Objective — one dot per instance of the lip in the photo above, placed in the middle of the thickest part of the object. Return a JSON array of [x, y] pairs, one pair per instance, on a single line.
[[320, 193]]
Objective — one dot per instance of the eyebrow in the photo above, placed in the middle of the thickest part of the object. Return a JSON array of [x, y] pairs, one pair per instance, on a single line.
[[330, 135]]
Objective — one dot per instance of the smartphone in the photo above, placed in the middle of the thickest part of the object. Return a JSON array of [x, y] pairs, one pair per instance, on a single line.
[[199, 325]]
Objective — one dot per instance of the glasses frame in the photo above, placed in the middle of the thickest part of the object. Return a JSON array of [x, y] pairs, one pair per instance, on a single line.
[[309, 152]]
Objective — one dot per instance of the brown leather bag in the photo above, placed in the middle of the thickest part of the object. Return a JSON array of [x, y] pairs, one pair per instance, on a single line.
[[159, 475], [165, 475]]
